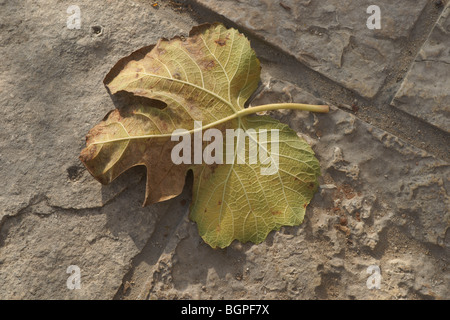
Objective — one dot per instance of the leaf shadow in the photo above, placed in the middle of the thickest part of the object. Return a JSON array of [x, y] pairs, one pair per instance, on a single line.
[[196, 263], [129, 179], [162, 230]]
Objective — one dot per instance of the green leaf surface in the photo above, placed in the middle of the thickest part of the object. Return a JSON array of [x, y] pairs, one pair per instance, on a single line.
[[235, 201]]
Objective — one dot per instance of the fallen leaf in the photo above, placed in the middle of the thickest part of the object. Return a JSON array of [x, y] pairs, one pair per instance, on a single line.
[[205, 77]]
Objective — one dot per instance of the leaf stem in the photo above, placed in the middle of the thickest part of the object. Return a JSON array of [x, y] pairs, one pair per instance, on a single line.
[[277, 106], [239, 114]]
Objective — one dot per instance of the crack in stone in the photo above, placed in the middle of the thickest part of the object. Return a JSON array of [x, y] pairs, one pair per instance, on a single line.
[[430, 60]]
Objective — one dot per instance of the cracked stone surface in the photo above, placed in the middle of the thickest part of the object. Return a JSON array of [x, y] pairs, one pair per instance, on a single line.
[[51, 80], [420, 94], [52, 213], [40, 243], [331, 38], [382, 201]]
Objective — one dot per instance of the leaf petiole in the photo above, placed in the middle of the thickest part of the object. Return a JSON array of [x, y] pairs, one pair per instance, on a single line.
[[278, 106]]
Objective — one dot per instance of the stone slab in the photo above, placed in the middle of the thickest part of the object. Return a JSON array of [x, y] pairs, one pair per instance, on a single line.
[[331, 38], [52, 212], [381, 202], [425, 92], [52, 94]]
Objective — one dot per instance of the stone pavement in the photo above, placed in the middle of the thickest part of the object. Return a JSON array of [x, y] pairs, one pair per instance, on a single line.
[[384, 149]]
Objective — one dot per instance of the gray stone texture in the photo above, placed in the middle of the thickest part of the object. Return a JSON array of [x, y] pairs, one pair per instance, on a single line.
[[381, 200], [52, 212], [330, 37], [425, 93]]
